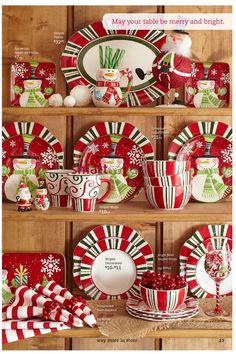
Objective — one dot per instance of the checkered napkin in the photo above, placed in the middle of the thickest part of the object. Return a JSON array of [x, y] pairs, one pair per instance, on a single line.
[[76, 305]]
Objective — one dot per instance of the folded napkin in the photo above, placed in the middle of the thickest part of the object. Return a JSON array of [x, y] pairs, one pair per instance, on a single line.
[[77, 305]]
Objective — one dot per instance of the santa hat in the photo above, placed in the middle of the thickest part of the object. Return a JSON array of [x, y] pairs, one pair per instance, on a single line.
[[181, 32], [23, 185]]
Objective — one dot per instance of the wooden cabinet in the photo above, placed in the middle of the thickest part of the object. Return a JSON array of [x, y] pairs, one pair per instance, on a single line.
[[59, 230]]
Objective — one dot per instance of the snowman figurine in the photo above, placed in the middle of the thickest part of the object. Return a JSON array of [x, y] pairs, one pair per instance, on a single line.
[[7, 295], [206, 96], [23, 198], [32, 95], [207, 184], [24, 170]]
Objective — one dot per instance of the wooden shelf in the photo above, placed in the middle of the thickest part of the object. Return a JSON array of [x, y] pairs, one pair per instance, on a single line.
[[133, 211], [86, 332], [136, 111]]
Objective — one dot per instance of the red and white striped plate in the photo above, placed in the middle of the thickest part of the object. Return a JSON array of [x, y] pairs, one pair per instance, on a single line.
[[139, 306], [80, 58], [157, 319], [205, 232], [199, 282], [121, 141], [105, 232], [112, 269]]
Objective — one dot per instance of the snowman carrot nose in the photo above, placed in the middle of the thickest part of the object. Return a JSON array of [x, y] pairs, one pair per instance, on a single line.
[[109, 74]]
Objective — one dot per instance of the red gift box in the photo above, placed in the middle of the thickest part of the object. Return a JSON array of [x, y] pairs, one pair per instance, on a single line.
[[45, 73], [209, 85]]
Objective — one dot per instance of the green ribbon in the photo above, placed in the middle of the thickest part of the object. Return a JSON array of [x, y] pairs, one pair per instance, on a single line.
[[212, 186], [32, 90], [209, 97]]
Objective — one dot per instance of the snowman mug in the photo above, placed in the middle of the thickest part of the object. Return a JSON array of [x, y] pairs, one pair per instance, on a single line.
[[84, 190], [57, 185]]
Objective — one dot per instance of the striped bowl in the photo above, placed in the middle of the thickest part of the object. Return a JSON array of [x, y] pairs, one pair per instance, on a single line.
[[180, 179], [165, 167], [164, 300], [175, 197]]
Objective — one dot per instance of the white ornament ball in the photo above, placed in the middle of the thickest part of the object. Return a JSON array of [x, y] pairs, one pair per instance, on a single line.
[[55, 100], [82, 95], [69, 101]]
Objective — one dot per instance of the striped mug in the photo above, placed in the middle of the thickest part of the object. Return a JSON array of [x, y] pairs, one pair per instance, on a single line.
[[84, 190], [57, 185]]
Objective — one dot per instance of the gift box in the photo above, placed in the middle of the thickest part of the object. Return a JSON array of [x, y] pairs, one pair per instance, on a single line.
[[208, 86], [30, 269], [32, 83]]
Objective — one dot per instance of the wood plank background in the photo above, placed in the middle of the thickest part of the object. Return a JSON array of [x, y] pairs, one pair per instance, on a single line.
[[37, 34]]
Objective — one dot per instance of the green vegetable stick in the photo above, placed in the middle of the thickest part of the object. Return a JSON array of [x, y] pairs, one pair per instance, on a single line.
[[120, 57], [101, 56], [115, 58], [110, 58], [106, 57]]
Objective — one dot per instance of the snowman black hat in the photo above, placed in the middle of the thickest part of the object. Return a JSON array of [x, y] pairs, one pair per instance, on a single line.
[[206, 152], [25, 153]]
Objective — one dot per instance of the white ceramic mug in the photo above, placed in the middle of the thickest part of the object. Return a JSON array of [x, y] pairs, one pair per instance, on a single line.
[[57, 185]]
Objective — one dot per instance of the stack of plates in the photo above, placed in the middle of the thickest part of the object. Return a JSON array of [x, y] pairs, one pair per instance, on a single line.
[[136, 307], [109, 262]]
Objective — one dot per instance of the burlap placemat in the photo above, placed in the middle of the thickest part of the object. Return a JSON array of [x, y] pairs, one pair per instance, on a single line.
[[115, 322]]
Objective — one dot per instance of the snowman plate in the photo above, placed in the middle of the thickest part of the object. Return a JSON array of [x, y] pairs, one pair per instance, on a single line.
[[116, 151], [28, 150], [205, 232], [209, 147], [107, 232], [112, 269], [209, 85], [199, 282], [80, 59], [30, 269], [32, 83]]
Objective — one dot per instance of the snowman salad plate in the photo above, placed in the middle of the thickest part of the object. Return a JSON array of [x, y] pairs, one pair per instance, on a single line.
[[32, 83], [199, 282], [115, 150], [209, 147], [107, 232], [208, 86], [112, 269], [80, 59], [205, 232], [30, 269], [28, 150]]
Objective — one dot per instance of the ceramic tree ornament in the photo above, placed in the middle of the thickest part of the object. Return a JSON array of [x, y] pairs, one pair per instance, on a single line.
[[107, 92], [32, 83]]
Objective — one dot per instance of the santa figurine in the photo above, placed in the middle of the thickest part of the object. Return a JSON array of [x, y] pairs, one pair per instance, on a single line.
[[23, 198]]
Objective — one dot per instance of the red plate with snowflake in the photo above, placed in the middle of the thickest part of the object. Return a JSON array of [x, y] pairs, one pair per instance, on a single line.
[[29, 269], [45, 73], [116, 151], [28, 150], [211, 158]]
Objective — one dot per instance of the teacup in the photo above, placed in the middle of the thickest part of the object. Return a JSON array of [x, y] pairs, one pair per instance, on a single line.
[[57, 184], [84, 190]]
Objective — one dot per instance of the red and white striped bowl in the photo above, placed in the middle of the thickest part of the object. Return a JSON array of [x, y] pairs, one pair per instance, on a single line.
[[180, 179], [158, 168], [168, 197], [164, 300]]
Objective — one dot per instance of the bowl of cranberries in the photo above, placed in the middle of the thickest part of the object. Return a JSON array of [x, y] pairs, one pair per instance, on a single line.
[[163, 292]]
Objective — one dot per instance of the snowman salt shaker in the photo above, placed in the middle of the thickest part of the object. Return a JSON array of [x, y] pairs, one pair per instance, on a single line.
[[23, 198], [41, 201]]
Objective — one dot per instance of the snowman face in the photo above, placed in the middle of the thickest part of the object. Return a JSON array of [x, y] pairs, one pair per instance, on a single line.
[[32, 84], [112, 75], [24, 164], [203, 163], [112, 164], [205, 84]]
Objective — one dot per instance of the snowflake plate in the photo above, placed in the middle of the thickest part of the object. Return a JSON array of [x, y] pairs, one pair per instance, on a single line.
[[32, 268], [209, 147], [115, 150], [20, 71], [28, 150]]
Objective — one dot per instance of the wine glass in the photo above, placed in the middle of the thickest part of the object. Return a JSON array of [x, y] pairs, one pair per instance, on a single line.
[[218, 267]]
